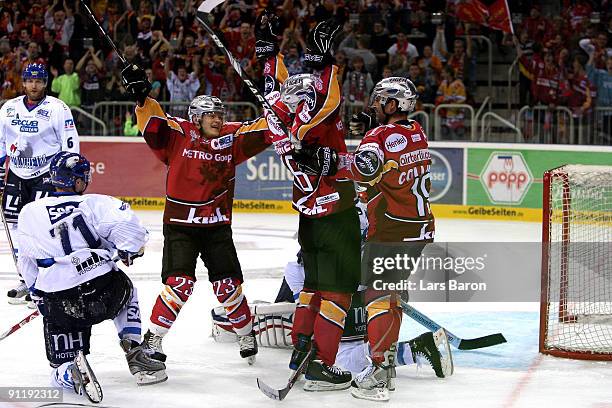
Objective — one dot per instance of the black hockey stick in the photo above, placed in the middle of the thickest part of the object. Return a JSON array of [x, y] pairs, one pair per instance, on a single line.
[[105, 35], [455, 341], [202, 17], [280, 395]]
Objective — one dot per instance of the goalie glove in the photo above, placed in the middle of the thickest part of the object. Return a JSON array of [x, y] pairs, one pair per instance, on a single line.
[[267, 30], [361, 123], [128, 257], [317, 160], [319, 44], [136, 83]]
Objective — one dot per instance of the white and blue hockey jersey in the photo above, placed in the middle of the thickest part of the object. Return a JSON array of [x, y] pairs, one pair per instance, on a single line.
[[31, 137], [68, 239]]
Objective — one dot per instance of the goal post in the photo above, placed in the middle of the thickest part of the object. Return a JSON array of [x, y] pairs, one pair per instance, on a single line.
[[576, 292]]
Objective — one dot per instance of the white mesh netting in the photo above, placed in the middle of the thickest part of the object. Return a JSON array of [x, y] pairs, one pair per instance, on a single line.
[[579, 269]]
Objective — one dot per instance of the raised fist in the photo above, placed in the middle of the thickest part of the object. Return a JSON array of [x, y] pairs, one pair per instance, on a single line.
[[319, 44], [136, 83], [267, 31]]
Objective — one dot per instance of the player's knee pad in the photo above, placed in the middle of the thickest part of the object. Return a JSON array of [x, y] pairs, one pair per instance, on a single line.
[[334, 306], [172, 298], [229, 293], [62, 344]]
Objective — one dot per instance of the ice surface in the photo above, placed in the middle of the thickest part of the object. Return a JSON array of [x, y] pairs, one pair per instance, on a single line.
[[204, 373]]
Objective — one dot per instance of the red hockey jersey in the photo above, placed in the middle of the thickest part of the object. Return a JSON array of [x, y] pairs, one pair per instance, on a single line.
[[201, 172], [316, 121], [395, 160]]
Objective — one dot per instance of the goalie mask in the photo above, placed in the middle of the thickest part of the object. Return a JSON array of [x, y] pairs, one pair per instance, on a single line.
[[298, 88], [400, 89], [202, 105], [67, 167]]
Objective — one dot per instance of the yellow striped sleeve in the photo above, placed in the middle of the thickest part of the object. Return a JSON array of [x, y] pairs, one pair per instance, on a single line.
[[332, 102]]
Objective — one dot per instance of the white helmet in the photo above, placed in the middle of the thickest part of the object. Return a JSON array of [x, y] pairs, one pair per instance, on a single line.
[[204, 104], [398, 88], [297, 88]]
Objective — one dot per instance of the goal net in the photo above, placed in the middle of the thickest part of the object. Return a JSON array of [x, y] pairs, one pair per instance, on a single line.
[[576, 302]]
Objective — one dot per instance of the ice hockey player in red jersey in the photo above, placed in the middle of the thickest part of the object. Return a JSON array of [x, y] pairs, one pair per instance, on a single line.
[[201, 154], [328, 231], [394, 159]]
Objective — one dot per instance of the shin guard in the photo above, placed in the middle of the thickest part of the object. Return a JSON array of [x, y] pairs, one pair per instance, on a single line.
[[169, 303], [229, 293], [309, 303], [384, 321], [329, 325]]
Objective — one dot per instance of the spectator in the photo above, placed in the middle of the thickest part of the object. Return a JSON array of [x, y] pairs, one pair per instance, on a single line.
[[380, 42], [528, 53], [602, 80], [547, 83], [90, 69], [11, 70], [597, 47], [342, 64], [241, 42], [33, 55], [430, 65], [67, 85], [535, 25], [358, 83], [181, 85], [144, 38], [61, 22], [427, 90], [129, 128], [52, 50], [294, 61], [451, 91], [403, 47], [362, 50], [155, 85], [579, 93]]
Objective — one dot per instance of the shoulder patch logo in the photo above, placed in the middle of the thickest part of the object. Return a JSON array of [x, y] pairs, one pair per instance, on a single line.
[[395, 143]]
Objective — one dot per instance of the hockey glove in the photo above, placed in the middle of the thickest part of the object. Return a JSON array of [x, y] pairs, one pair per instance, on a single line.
[[319, 44], [136, 83], [39, 302], [317, 160], [361, 123], [128, 257], [267, 30]]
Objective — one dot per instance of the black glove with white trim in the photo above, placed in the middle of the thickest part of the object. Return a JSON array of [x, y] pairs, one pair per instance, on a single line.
[[267, 28], [361, 123], [136, 83], [319, 44], [128, 257], [317, 160]]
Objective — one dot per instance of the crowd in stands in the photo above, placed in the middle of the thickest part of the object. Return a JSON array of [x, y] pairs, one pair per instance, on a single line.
[[565, 59]]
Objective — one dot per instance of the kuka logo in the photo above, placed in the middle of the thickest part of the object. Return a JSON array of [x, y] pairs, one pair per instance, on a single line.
[[506, 178]]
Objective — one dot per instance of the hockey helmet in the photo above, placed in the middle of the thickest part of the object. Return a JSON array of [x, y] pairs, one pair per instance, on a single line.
[[35, 71], [399, 88], [67, 167], [204, 104], [299, 88]]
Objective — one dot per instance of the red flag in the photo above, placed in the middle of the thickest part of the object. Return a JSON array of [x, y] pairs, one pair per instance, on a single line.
[[499, 17], [472, 11]]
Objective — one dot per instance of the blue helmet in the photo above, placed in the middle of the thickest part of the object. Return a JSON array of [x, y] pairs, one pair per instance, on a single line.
[[35, 71], [66, 167]]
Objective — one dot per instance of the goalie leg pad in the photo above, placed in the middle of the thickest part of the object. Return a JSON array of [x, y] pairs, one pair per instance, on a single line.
[[222, 329], [329, 325], [62, 344], [170, 301], [384, 321], [229, 293]]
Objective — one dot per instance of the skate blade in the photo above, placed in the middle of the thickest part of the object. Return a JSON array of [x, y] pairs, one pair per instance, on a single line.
[[375, 394], [316, 386], [16, 301], [89, 383], [251, 359], [446, 356], [150, 377]]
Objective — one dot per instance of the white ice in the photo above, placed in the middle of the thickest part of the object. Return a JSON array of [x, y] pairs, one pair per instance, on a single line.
[[204, 373]]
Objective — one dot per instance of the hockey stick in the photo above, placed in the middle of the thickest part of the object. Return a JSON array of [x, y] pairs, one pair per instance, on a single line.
[[105, 35], [8, 235], [202, 17], [279, 395], [455, 341], [19, 325]]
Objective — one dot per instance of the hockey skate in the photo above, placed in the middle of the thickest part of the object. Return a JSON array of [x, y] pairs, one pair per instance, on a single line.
[[371, 384], [17, 295], [248, 347], [153, 342], [321, 377], [435, 349], [145, 369], [84, 379]]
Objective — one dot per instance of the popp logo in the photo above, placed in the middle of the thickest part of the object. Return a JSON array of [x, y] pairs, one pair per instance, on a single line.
[[506, 177]]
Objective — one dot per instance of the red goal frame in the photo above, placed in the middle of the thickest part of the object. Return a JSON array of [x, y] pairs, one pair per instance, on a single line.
[[564, 316]]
